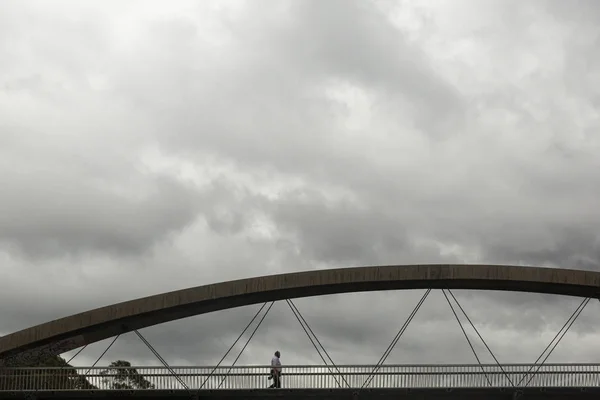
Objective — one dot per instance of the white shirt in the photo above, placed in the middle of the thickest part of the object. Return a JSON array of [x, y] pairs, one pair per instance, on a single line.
[[276, 364]]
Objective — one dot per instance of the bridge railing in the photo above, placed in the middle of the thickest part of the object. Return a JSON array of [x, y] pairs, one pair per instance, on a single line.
[[255, 377]]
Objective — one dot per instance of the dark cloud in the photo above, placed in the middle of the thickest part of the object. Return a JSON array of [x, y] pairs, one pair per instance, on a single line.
[[147, 149], [62, 216]]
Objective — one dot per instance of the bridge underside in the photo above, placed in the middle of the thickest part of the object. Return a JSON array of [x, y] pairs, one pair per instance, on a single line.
[[321, 394]]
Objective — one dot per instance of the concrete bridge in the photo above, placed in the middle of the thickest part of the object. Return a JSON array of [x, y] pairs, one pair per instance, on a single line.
[[578, 381], [22, 350]]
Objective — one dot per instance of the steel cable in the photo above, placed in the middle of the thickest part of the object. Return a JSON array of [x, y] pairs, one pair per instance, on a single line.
[[246, 344], [481, 338], [232, 346], [395, 340]]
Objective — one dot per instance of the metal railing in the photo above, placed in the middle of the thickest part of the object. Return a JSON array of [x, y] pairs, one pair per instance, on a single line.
[[301, 377]]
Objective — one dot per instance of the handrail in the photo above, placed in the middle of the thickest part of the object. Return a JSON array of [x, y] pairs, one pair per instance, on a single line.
[[208, 366], [298, 377]]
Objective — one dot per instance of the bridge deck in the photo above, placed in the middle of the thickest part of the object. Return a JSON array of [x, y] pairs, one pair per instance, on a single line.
[[306, 377], [320, 394], [489, 382]]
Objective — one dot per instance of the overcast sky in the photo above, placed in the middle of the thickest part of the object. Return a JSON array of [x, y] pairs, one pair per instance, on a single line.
[[149, 146]]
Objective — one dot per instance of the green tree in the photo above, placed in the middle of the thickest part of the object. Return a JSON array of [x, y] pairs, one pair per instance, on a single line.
[[52, 373], [121, 375]]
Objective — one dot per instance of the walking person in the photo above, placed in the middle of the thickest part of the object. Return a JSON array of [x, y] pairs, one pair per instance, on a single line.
[[276, 371]]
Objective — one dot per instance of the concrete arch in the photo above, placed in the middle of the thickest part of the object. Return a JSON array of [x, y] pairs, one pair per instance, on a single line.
[[27, 346]]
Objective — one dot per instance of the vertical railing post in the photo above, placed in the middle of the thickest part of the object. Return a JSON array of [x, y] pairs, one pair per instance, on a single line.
[[297, 377]]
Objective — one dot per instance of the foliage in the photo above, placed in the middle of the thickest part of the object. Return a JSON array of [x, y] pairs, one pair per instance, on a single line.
[[54, 373], [121, 375], [59, 375]]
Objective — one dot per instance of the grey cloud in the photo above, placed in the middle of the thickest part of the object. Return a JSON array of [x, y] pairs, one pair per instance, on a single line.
[[60, 217], [340, 233], [357, 41], [583, 11], [574, 248], [261, 130], [491, 169]]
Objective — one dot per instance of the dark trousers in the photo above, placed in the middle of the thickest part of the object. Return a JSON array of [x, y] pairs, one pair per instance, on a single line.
[[276, 380]]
